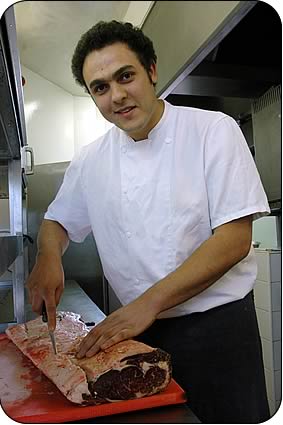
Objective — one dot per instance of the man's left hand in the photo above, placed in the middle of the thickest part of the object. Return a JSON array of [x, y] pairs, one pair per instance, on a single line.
[[124, 323]]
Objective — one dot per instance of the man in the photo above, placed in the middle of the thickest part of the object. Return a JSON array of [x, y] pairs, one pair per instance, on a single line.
[[170, 194]]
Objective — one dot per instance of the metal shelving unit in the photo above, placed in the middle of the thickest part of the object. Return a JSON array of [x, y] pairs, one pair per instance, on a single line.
[[13, 146]]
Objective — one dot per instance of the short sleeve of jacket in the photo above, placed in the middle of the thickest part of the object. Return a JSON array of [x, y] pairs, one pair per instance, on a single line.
[[69, 206], [234, 188]]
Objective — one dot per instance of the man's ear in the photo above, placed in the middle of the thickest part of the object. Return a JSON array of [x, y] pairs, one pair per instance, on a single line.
[[153, 73]]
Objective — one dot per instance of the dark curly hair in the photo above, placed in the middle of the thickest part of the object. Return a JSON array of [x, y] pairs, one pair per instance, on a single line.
[[106, 33]]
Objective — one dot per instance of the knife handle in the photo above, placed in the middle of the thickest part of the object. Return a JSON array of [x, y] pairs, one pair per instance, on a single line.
[[44, 313]]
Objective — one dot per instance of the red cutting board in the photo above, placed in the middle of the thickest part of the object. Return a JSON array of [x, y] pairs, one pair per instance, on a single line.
[[27, 396]]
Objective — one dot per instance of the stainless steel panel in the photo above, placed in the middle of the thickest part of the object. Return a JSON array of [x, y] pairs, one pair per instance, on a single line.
[[6, 304], [9, 250], [18, 285], [12, 139], [266, 118], [81, 260], [12, 122], [4, 193], [198, 27], [9, 136], [15, 197]]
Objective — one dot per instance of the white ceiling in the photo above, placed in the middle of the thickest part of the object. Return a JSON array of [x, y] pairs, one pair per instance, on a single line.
[[48, 31]]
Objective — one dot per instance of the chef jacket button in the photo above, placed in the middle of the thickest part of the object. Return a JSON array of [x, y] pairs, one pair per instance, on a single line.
[[137, 280], [128, 234], [124, 149], [168, 140]]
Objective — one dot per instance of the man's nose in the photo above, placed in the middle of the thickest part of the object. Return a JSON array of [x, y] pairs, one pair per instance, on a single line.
[[118, 93]]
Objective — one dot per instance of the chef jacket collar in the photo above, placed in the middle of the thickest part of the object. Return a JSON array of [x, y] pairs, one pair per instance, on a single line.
[[156, 129]]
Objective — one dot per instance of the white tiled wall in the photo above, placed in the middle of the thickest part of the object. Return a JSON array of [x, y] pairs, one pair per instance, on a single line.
[[268, 308], [265, 231]]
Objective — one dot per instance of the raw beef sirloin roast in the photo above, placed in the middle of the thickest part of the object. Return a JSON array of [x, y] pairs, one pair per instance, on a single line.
[[127, 370]]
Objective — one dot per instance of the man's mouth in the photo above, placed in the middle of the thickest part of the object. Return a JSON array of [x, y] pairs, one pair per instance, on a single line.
[[124, 111]]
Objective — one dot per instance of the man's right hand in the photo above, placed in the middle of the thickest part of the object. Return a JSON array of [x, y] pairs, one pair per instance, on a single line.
[[46, 283]]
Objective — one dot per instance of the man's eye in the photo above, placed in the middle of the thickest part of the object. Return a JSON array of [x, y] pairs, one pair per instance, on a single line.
[[126, 76], [100, 89]]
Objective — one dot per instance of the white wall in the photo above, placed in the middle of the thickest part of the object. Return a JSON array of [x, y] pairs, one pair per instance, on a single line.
[[58, 124], [49, 119], [89, 124]]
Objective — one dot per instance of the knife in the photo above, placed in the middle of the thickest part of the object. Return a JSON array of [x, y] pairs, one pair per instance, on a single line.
[[51, 333]]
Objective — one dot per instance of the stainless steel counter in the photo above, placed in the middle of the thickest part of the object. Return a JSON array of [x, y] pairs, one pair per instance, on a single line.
[[75, 299]]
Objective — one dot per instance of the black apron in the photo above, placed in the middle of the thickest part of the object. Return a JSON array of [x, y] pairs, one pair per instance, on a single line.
[[217, 359]]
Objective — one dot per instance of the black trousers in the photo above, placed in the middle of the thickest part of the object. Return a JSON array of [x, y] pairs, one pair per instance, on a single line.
[[217, 359]]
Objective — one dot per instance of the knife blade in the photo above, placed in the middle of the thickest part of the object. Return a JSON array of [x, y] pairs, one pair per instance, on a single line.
[[51, 333]]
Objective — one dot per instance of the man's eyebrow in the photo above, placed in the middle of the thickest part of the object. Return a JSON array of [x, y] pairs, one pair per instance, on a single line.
[[114, 75]]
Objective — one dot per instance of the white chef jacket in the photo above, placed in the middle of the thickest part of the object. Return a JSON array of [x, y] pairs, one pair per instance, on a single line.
[[150, 204]]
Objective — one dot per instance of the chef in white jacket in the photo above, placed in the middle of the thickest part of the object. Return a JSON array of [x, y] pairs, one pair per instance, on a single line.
[[170, 194]]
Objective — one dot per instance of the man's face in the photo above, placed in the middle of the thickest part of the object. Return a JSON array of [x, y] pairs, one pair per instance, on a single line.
[[122, 90]]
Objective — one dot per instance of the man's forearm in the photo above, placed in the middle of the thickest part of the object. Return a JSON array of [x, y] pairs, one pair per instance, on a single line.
[[205, 266], [52, 239], [46, 280]]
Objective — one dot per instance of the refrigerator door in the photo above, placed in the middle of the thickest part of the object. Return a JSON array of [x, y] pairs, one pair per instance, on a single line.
[[12, 122], [13, 193]]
